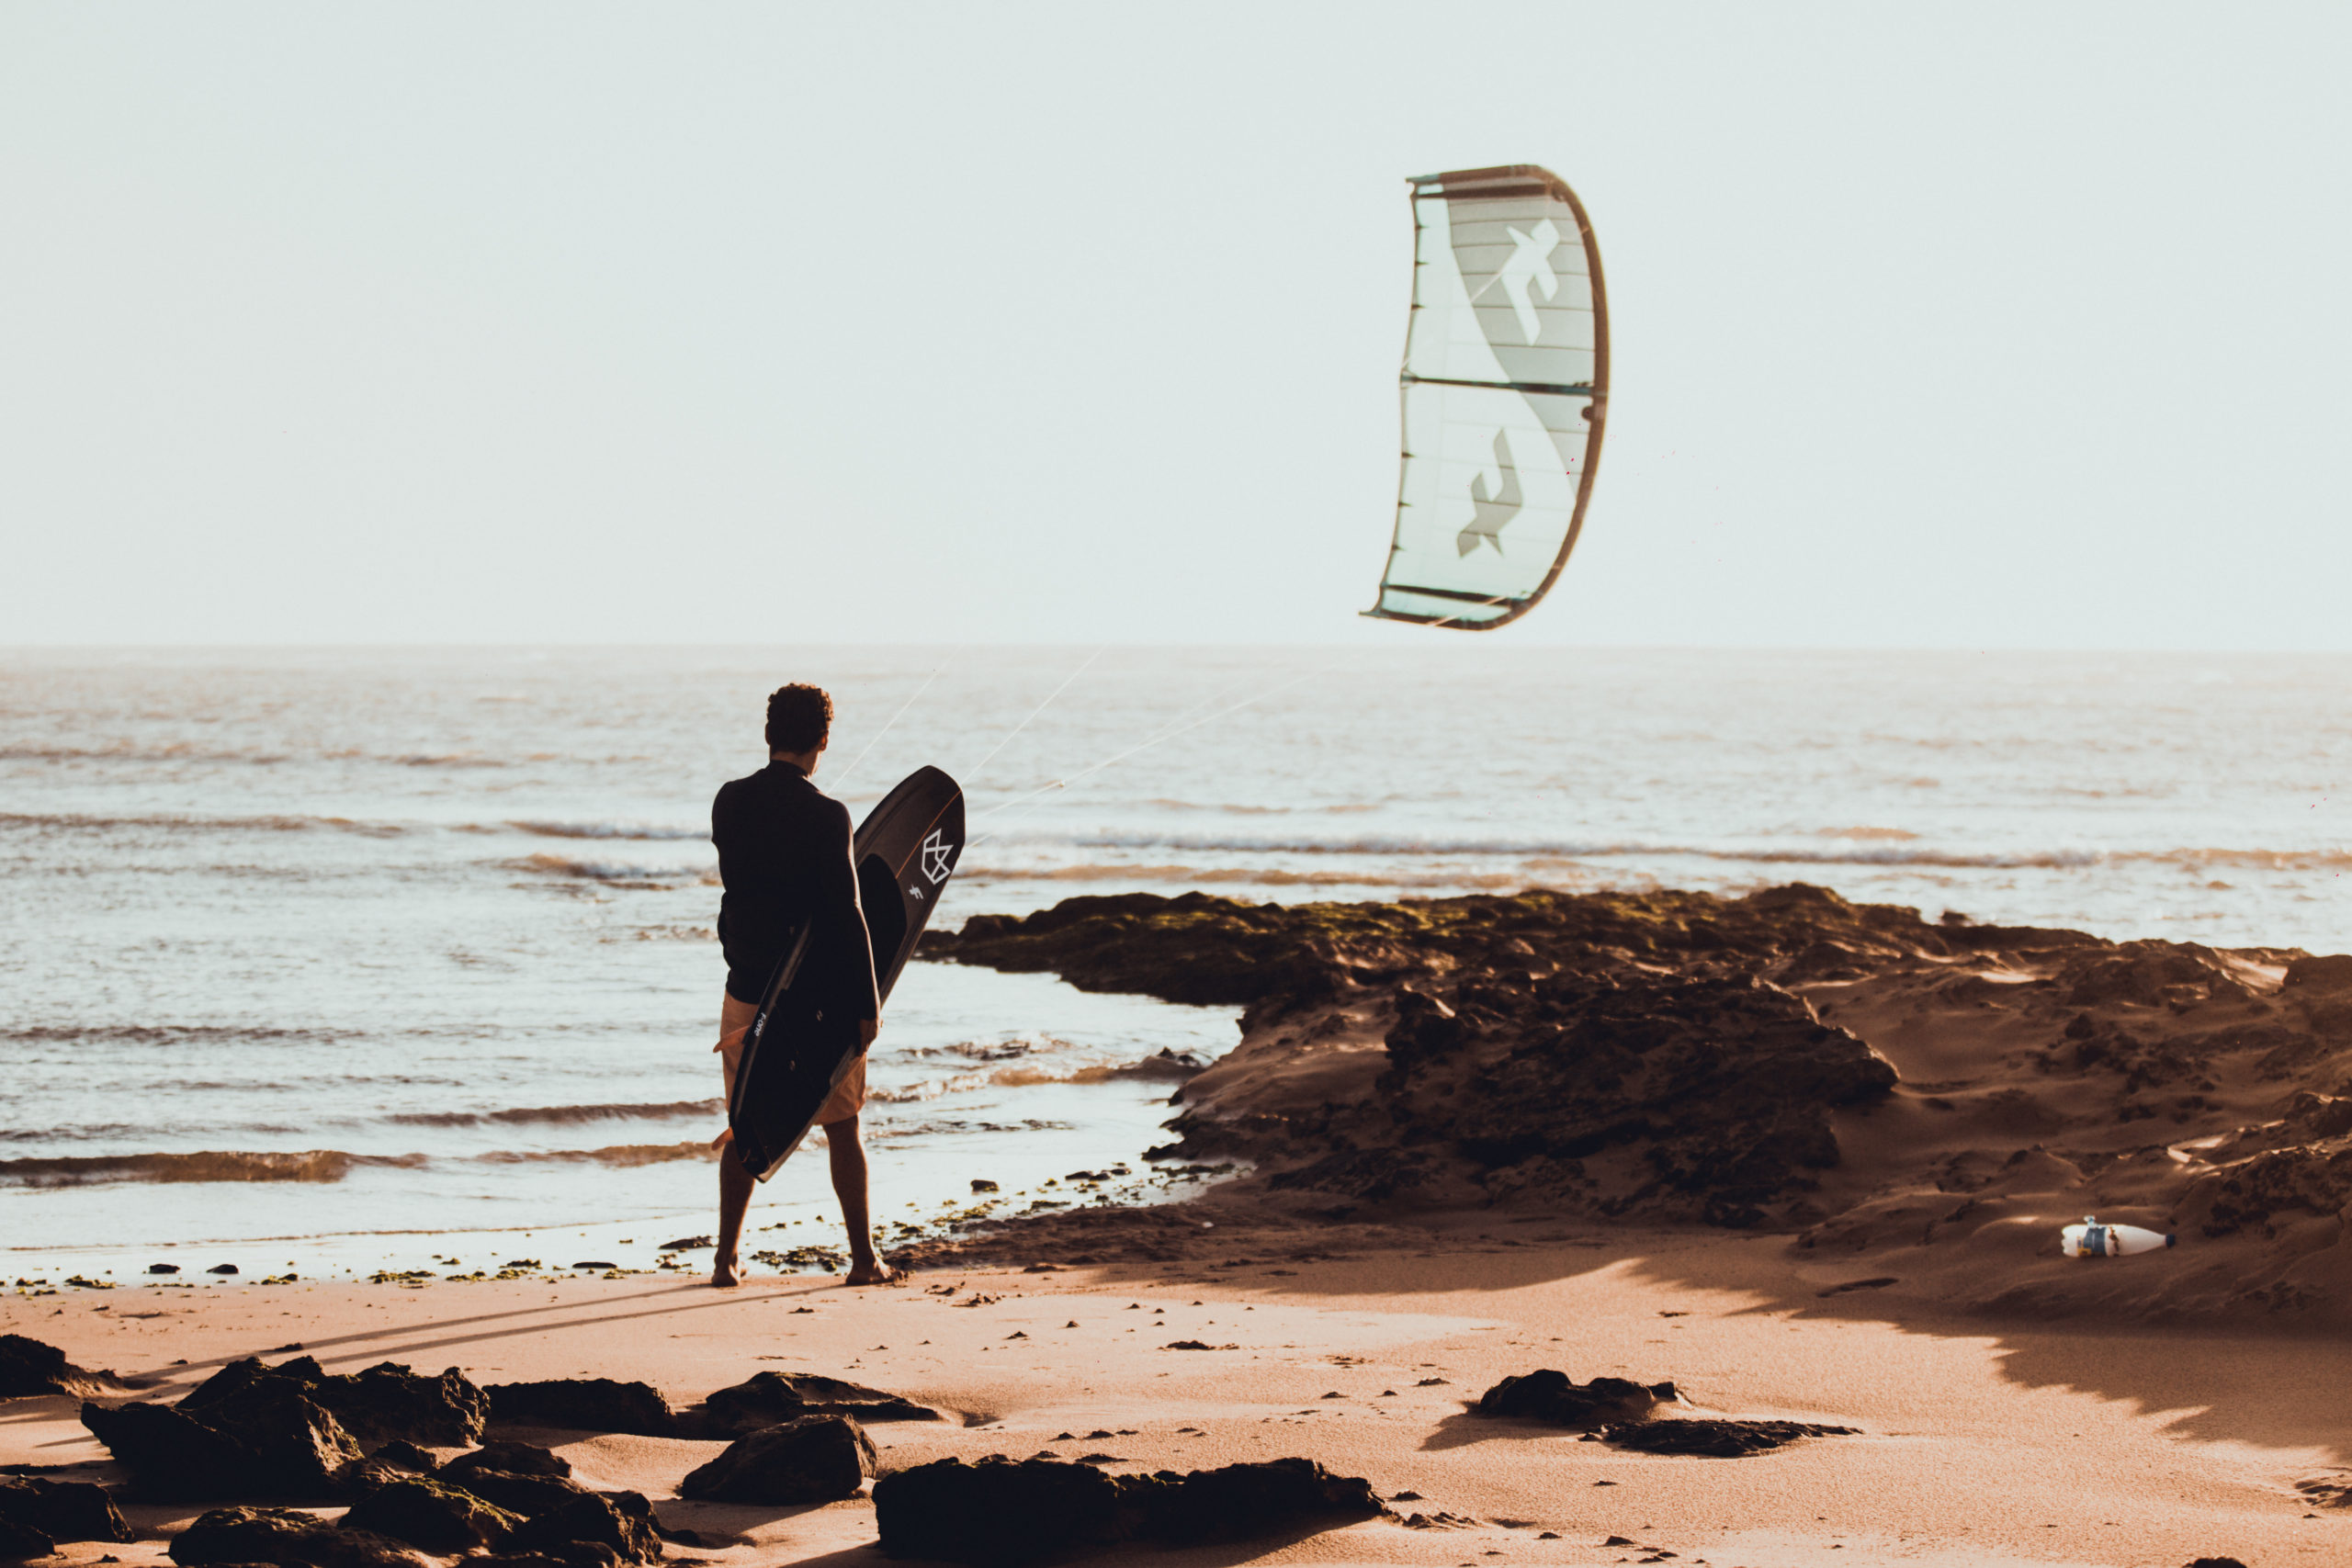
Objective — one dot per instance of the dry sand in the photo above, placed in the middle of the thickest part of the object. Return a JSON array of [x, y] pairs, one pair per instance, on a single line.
[[1982, 1443]]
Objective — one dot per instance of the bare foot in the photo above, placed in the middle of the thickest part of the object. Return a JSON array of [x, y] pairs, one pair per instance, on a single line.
[[725, 1273], [874, 1271]]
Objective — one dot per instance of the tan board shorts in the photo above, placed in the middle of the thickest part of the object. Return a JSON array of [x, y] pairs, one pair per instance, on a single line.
[[735, 1022]]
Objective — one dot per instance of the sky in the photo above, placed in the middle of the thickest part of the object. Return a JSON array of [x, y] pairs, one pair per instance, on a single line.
[[1985, 326]]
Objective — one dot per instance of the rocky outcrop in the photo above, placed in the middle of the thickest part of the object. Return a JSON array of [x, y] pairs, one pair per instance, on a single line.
[[510, 1459], [286, 1537], [1710, 1437], [428, 1513], [1557, 1399], [621, 1522], [583, 1404], [61, 1510], [387, 1403], [529, 1495], [29, 1367], [267, 1438], [769, 1399], [1000, 1512], [811, 1459]]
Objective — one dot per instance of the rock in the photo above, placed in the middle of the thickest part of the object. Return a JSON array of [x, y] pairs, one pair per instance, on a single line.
[[1237, 1502], [813, 1459], [20, 1543], [1713, 1438], [408, 1456], [769, 1399], [222, 1269], [583, 1404], [61, 1510], [2216, 1563], [385, 1403], [288, 1537], [995, 1513], [1553, 1396], [558, 1554], [999, 1512], [263, 1438], [2330, 972], [512, 1459], [621, 1521], [529, 1495], [440, 1519], [29, 1367]]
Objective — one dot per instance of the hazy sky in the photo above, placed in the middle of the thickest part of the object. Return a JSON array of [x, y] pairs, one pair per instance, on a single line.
[[1983, 325]]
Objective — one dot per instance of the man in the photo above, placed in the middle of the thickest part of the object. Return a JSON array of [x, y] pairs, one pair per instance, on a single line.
[[784, 859]]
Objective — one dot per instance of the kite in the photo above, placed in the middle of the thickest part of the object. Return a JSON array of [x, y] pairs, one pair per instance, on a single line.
[[1505, 387]]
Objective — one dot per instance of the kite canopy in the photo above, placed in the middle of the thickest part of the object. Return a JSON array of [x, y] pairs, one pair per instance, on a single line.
[[1506, 383]]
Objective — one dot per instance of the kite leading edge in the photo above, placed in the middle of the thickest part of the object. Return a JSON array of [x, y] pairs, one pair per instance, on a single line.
[[1505, 389]]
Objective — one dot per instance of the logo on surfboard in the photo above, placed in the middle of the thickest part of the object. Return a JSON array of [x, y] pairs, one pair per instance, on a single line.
[[938, 858]]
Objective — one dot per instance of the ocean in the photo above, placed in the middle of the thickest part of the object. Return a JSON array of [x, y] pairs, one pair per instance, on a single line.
[[343, 960]]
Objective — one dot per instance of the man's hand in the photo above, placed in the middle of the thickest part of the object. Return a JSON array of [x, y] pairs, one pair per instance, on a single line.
[[868, 1027]]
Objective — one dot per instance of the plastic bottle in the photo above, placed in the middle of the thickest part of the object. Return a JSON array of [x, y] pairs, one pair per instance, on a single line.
[[2091, 1239]]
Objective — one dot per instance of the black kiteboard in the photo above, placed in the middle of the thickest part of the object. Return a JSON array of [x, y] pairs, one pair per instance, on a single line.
[[793, 1056]]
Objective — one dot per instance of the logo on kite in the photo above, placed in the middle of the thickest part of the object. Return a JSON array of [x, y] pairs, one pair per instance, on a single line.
[[1490, 512], [938, 857], [1531, 265]]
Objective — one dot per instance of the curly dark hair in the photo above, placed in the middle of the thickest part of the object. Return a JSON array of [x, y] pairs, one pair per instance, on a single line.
[[799, 717]]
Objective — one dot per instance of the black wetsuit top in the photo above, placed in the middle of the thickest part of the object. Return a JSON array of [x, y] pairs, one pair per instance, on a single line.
[[784, 855]]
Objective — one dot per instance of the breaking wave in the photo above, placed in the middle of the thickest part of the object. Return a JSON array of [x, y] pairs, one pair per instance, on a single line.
[[559, 1115], [211, 1165], [637, 830], [622, 1155]]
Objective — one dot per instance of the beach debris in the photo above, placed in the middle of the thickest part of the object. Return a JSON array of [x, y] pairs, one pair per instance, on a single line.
[[770, 1399], [386, 1402], [508, 1459], [2091, 1239], [222, 1269], [597, 1263], [425, 1513], [1555, 1397], [1043, 1268], [583, 1404], [1440, 1520], [257, 1436], [622, 1521], [811, 1459], [980, 1184], [1711, 1437], [1000, 1512], [2216, 1563], [163, 1268], [1196, 1345], [685, 1244], [60, 1510], [286, 1537], [31, 1367]]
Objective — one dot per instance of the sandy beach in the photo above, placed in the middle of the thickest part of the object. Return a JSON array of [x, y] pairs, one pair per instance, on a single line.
[[1980, 1443]]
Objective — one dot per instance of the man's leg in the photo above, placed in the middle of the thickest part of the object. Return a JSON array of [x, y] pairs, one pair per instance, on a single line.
[[735, 1185], [848, 1156]]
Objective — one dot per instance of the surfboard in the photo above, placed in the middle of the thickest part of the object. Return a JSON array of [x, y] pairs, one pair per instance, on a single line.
[[793, 1056]]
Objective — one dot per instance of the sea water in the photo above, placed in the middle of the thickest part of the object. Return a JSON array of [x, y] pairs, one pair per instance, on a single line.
[[370, 948]]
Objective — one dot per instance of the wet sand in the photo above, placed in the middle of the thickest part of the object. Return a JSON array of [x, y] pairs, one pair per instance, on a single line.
[[1984, 1441]]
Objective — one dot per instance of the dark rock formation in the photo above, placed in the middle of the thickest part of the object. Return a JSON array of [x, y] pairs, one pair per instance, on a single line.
[[556, 1554], [440, 1519], [1241, 1501], [1710, 1437], [994, 1513], [407, 1455], [288, 1537], [812, 1458], [621, 1521], [385, 1403], [61, 1510], [769, 1399], [264, 1438], [529, 1495], [511, 1458], [1552, 1396], [29, 1367], [1000, 1512], [20, 1543], [583, 1404]]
